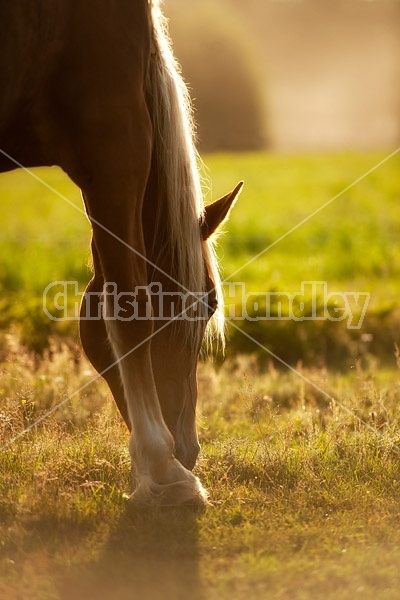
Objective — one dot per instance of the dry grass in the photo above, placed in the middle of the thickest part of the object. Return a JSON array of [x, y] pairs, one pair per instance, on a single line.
[[304, 496]]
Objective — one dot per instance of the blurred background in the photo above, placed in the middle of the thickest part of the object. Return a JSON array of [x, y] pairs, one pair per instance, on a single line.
[[291, 74]]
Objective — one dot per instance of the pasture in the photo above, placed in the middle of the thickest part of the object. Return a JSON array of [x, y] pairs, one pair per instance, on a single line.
[[304, 494]]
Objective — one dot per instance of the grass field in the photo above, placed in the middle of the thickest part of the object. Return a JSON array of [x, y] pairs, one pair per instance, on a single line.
[[351, 244], [305, 499], [302, 465]]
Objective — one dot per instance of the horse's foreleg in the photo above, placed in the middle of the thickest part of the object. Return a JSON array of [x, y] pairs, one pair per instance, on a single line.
[[114, 193]]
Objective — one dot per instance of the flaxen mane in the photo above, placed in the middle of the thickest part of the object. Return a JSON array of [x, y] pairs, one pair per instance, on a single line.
[[178, 167]]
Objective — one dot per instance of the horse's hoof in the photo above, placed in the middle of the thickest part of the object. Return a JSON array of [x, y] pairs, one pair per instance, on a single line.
[[187, 493]]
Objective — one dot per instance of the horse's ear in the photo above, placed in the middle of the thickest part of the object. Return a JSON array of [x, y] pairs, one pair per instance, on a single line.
[[217, 212]]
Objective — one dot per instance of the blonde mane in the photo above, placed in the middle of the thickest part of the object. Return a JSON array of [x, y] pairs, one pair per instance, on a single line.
[[179, 178]]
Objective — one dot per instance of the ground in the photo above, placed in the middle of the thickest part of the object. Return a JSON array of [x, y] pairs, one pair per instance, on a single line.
[[302, 463]]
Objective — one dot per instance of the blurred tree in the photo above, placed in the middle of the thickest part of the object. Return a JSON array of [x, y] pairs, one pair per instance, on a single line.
[[220, 64]]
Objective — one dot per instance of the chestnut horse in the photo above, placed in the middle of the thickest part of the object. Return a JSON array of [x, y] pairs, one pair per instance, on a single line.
[[92, 86]]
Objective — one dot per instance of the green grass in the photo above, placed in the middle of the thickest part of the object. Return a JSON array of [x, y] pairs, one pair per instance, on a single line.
[[352, 239], [352, 244], [304, 498]]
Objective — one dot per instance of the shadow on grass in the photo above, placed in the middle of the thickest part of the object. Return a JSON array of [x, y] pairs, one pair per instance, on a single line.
[[149, 554]]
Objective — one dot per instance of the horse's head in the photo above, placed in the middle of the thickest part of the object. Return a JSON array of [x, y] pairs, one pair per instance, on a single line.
[[175, 346]]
